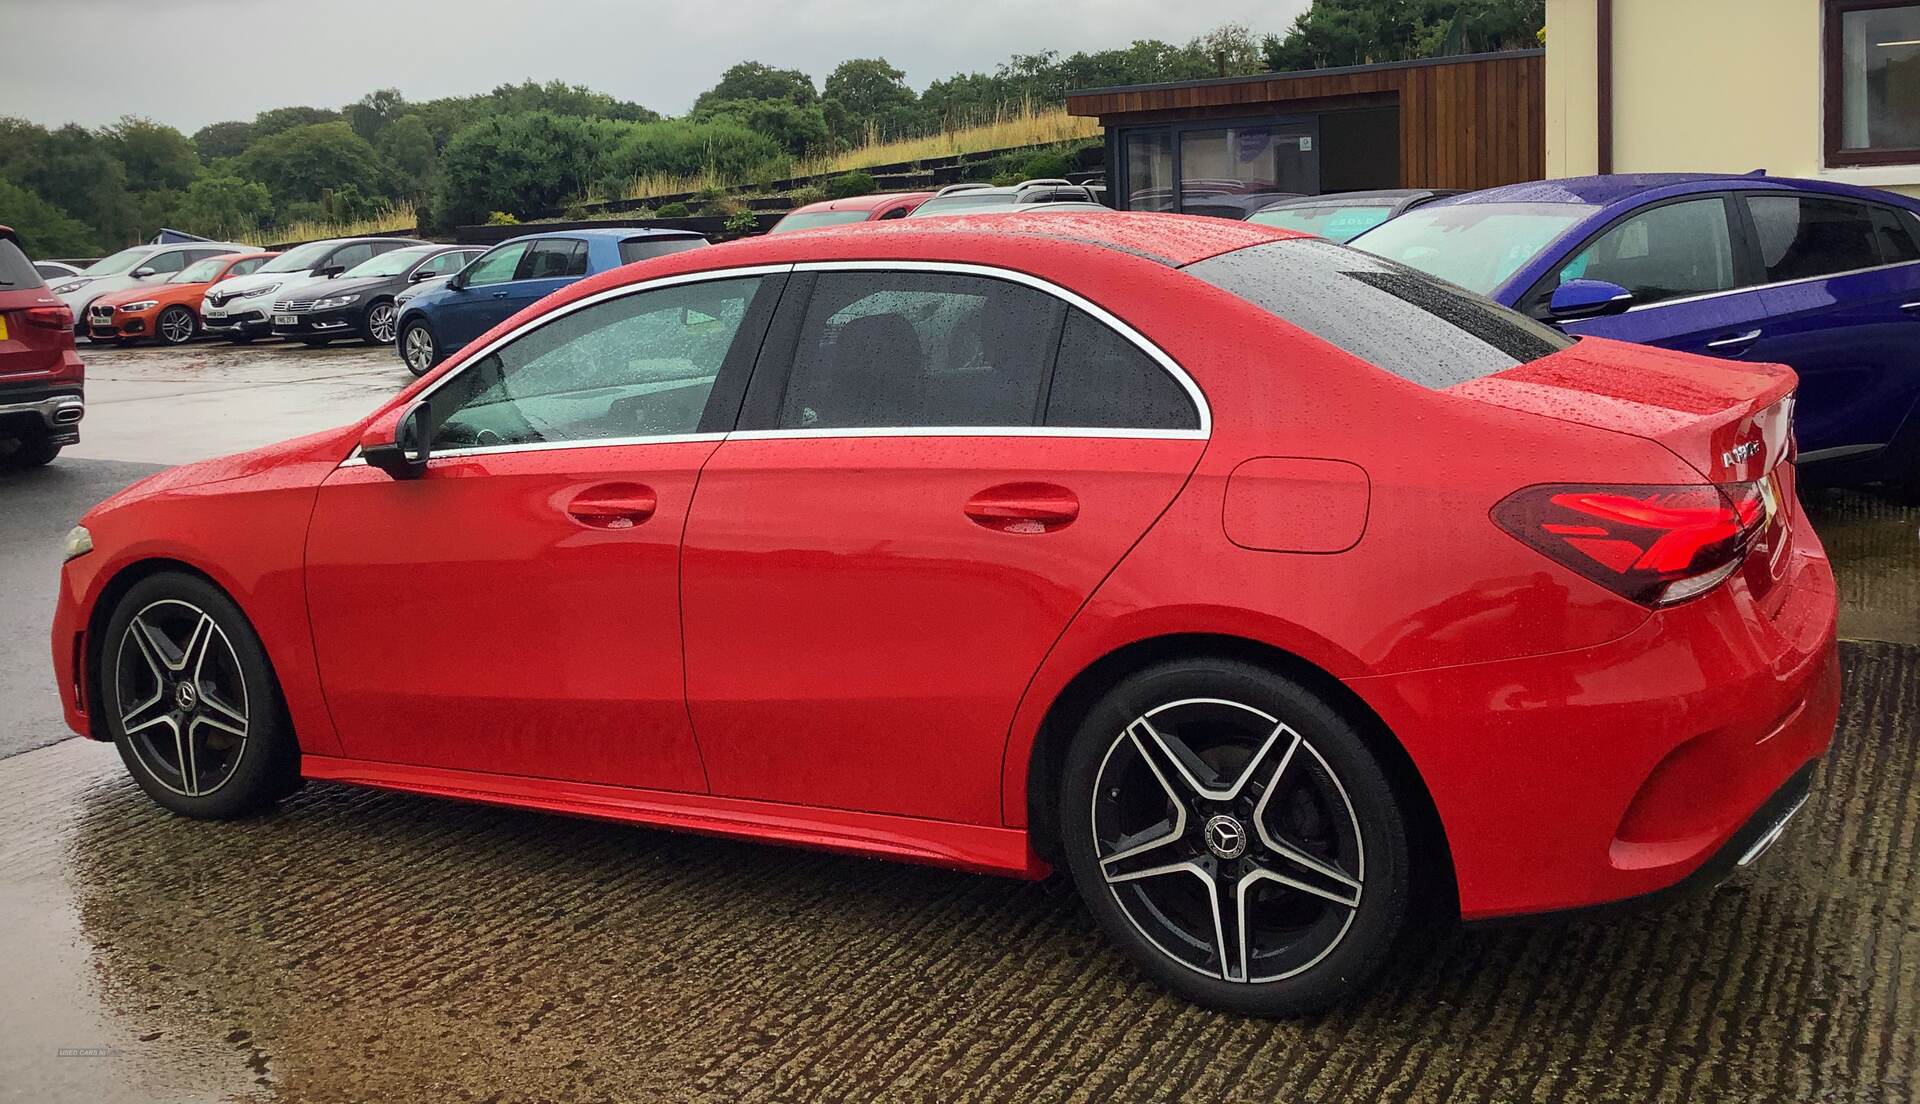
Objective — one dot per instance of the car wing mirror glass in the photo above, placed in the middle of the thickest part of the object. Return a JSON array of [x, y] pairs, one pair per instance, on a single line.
[[404, 455], [1587, 299]]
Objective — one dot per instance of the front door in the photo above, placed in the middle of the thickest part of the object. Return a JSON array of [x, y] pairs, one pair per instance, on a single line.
[[516, 609], [872, 578], [467, 311]]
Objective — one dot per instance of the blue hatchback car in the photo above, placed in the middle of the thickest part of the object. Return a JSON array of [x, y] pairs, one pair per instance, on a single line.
[[1822, 277], [500, 282]]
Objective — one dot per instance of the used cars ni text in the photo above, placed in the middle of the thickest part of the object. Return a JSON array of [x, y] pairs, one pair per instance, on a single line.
[[1258, 584], [514, 274], [1822, 277]]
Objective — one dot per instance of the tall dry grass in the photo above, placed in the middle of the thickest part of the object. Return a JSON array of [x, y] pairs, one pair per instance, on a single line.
[[1024, 126], [401, 216]]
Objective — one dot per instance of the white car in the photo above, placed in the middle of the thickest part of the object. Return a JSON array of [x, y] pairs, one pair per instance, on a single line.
[[129, 268], [241, 309]]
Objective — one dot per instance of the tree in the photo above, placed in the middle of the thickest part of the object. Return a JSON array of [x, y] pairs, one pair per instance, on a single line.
[[44, 229], [521, 163], [799, 130], [372, 112], [560, 98], [156, 156], [866, 93], [751, 80], [1364, 32], [307, 161], [722, 148], [1230, 50], [225, 206], [272, 122], [217, 140], [74, 169], [407, 145]]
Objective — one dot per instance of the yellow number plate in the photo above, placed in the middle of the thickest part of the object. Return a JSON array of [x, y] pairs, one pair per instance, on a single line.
[[3, 327]]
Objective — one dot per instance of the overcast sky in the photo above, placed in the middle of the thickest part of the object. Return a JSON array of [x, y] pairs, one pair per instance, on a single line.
[[91, 61]]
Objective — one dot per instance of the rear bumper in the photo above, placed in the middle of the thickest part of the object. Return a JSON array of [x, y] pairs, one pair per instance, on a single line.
[[54, 411], [1574, 780]]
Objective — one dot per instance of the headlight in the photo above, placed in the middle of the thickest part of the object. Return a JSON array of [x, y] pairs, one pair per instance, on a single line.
[[144, 304], [333, 301], [79, 542], [259, 291], [71, 286]]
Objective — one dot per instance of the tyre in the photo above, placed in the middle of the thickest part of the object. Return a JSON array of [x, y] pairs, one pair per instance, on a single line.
[[175, 326], [1234, 836], [418, 347], [379, 326], [27, 452], [191, 703]]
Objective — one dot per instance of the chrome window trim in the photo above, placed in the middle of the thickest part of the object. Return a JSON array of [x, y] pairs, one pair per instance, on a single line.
[[1105, 317], [1764, 287], [1101, 314]]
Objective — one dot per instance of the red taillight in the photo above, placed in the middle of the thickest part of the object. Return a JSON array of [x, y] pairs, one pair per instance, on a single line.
[[52, 318], [1654, 544]]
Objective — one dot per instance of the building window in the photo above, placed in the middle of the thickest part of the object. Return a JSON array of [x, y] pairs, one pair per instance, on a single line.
[[1872, 82]]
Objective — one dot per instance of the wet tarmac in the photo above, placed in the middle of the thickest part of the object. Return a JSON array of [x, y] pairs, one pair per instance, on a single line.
[[361, 946]]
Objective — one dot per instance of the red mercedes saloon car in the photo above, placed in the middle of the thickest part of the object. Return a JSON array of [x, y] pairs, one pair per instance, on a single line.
[[1265, 587]]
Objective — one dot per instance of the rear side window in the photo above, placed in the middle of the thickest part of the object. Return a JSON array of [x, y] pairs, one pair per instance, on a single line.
[[1664, 252], [1401, 320], [1806, 236], [15, 270], [554, 259], [640, 249], [1103, 381], [1897, 242], [907, 349]]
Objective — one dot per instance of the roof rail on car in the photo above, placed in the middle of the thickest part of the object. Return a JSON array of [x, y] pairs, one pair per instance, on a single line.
[[972, 186], [1043, 182]]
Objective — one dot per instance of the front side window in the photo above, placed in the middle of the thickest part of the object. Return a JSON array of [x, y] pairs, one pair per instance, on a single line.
[[641, 365], [1389, 315], [350, 256], [1663, 252], [1804, 236], [1872, 82], [163, 263], [446, 264], [908, 349], [498, 265]]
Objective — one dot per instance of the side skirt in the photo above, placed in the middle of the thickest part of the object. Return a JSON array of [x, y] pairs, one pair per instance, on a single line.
[[972, 847]]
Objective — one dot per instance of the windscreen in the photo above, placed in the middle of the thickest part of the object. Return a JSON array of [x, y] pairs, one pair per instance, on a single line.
[[117, 263], [1475, 245], [811, 219], [1406, 322], [1336, 223], [201, 271], [299, 259], [390, 264]]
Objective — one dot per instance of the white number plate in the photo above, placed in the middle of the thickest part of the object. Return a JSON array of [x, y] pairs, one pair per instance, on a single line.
[[283, 320]]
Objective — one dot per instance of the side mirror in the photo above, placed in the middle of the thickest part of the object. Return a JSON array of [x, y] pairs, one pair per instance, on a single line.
[[404, 457], [418, 275], [458, 280], [1578, 299], [142, 272], [331, 271]]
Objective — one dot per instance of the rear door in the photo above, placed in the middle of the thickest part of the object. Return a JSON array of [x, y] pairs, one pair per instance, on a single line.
[[1682, 260], [1844, 295], [917, 504]]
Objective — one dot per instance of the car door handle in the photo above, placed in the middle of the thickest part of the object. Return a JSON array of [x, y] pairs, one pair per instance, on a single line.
[[1735, 342], [1024, 508], [613, 505], [499, 295]]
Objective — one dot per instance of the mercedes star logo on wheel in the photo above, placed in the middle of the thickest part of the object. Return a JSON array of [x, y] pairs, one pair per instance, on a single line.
[[1225, 837]]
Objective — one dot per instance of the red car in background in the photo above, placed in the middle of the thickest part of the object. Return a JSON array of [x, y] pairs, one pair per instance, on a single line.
[[168, 312], [1265, 586], [836, 212], [41, 377]]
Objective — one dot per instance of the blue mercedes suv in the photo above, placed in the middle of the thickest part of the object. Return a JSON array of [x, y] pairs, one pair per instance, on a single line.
[[1822, 277], [499, 283]]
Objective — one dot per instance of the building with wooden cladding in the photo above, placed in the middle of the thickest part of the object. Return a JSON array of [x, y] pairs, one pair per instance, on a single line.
[[1229, 145]]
